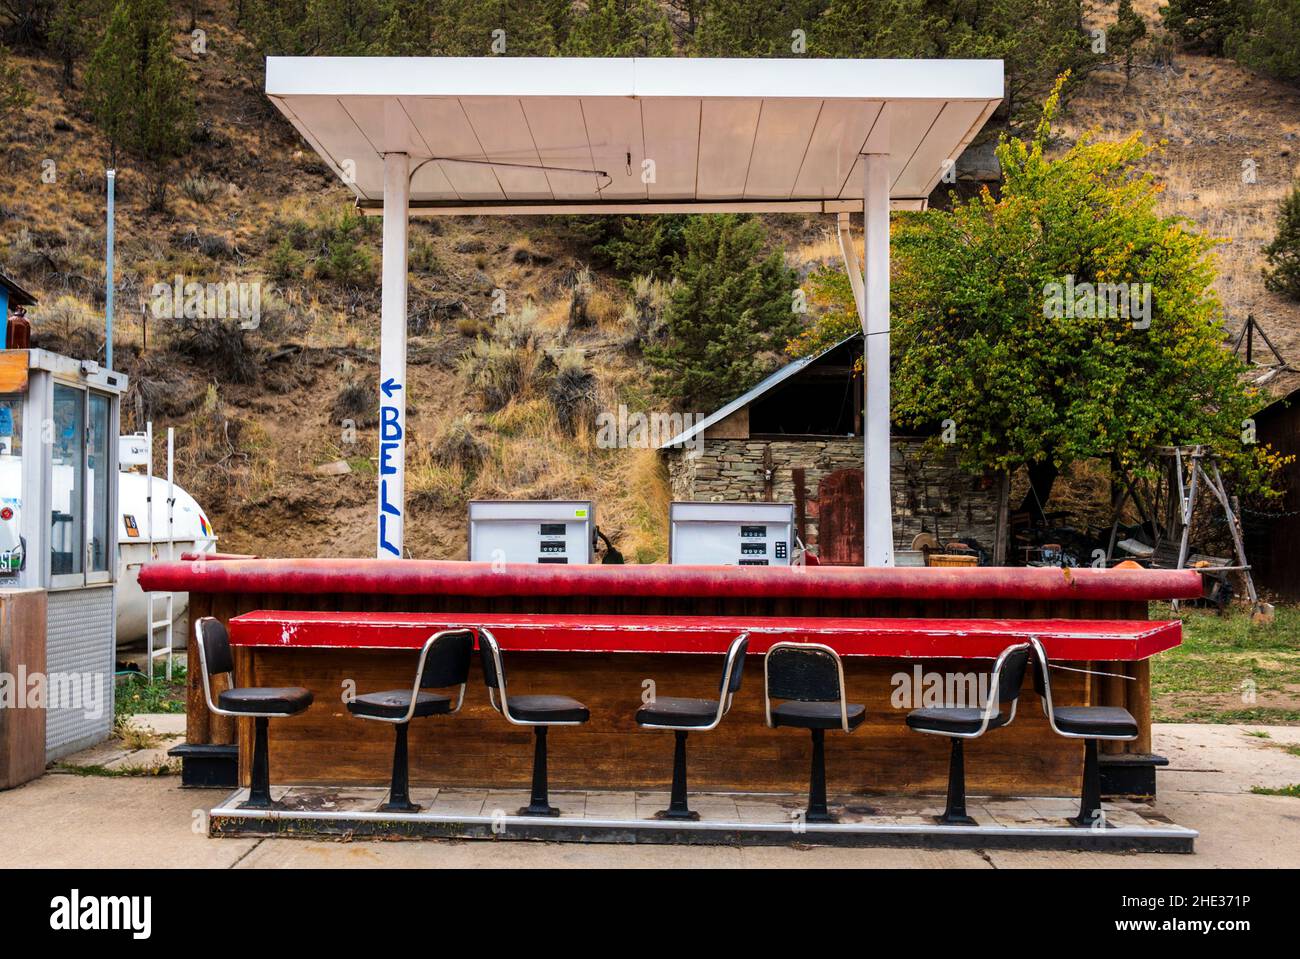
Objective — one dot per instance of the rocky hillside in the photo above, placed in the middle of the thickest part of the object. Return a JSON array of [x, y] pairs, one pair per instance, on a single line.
[[276, 428]]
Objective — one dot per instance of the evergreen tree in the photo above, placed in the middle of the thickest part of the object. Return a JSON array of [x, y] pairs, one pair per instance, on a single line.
[[13, 95], [620, 28], [1124, 36], [728, 314], [644, 246], [73, 28], [1282, 275], [1203, 25], [139, 93], [754, 28], [1038, 40], [1268, 39]]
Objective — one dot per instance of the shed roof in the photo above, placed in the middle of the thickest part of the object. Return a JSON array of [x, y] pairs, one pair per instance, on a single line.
[[774, 380], [17, 295]]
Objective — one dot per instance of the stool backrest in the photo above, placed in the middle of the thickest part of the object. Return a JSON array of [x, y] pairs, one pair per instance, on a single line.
[[490, 658], [214, 647], [807, 672], [446, 663], [733, 668], [1042, 685], [1007, 678], [1010, 671]]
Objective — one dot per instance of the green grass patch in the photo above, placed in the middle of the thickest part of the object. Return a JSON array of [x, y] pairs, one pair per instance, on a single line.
[[135, 694], [1257, 715], [1293, 791], [1228, 669], [96, 769]]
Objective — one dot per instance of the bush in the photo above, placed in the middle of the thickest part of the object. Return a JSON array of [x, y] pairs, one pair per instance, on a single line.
[[357, 401], [1282, 275], [286, 263], [201, 189], [219, 345], [643, 318], [572, 391], [497, 372], [456, 445]]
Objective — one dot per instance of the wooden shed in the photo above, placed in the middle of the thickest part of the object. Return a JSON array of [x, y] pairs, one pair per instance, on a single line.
[[797, 437]]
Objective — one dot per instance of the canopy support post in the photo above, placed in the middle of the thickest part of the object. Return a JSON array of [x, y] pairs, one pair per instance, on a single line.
[[878, 525], [392, 358]]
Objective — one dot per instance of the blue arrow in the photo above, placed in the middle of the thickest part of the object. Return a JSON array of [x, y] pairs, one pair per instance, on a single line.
[[389, 387]]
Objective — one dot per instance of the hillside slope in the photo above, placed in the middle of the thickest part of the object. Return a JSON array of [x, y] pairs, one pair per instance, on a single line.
[[257, 420]]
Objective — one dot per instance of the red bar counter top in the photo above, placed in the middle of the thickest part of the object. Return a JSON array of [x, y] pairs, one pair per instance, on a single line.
[[410, 577], [1064, 639]]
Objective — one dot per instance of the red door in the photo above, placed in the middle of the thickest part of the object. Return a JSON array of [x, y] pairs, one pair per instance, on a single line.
[[839, 518]]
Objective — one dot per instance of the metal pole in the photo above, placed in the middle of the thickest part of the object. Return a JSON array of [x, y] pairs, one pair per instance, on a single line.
[[109, 278], [392, 358], [148, 535], [878, 525]]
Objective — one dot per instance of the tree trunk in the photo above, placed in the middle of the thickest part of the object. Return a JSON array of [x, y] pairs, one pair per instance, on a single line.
[[1002, 529], [1042, 475]]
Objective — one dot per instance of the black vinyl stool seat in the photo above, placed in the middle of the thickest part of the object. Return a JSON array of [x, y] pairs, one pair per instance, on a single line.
[[960, 723], [538, 711], [811, 677], [253, 702], [1089, 723], [684, 716], [444, 662]]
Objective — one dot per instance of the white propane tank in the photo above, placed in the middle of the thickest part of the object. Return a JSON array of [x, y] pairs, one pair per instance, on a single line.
[[191, 533]]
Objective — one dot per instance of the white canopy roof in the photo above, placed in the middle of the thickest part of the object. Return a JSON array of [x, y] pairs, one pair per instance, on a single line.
[[510, 135]]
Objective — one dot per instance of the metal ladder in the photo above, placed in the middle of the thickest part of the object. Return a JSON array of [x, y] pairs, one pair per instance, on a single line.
[[165, 624]]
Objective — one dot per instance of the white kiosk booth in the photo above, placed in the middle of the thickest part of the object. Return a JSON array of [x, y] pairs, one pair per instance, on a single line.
[[58, 535]]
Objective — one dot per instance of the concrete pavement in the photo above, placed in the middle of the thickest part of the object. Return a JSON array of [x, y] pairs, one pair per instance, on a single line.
[[70, 820]]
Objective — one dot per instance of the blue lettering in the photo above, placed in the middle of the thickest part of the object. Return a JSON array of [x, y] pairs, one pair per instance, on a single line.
[[384, 544], [388, 417], [386, 468], [384, 505]]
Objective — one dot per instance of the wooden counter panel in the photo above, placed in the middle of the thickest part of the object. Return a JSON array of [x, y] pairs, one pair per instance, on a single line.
[[477, 747]]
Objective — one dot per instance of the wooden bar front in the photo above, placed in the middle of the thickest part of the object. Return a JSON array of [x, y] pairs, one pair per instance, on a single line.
[[479, 748]]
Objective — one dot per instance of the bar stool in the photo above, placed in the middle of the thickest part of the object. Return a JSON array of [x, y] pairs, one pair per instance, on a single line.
[[684, 716], [444, 662], [259, 703], [964, 722], [540, 712], [1089, 723], [811, 676]]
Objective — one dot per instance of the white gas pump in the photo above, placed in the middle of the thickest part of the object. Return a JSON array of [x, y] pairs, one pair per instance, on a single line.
[[531, 531], [731, 534]]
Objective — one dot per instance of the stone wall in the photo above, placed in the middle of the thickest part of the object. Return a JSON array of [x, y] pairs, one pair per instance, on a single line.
[[930, 493]]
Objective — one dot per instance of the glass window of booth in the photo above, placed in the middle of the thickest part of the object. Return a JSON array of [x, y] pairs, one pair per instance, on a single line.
[[97, 466], [12, 546], [68, 505]]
